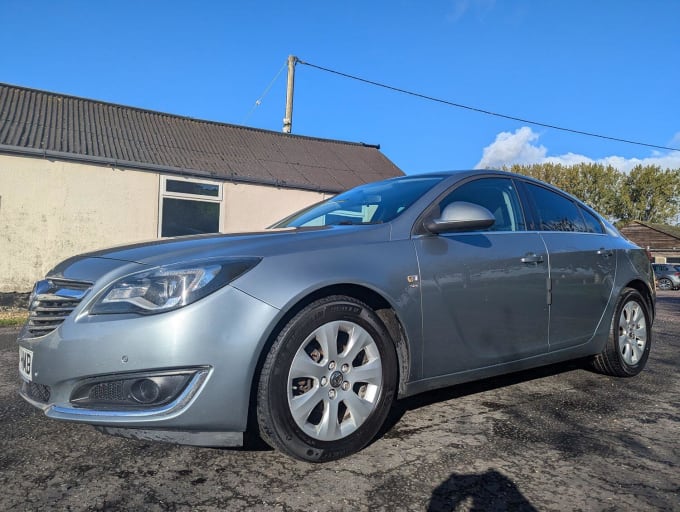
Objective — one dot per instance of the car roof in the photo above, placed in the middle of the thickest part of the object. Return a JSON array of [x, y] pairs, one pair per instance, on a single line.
[[464, 173]]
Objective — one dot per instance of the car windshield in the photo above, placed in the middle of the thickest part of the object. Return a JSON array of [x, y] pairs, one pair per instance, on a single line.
[[373, 203]]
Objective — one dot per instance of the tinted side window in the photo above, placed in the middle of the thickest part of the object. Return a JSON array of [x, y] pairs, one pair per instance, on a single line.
[[592, 224], [497, 195], [555, 212]]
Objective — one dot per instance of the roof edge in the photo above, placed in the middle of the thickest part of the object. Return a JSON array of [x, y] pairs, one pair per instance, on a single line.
[[188, 118], [655, 227], [113, 162]]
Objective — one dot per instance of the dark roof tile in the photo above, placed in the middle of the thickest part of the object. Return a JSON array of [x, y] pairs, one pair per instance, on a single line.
[[44, 121]]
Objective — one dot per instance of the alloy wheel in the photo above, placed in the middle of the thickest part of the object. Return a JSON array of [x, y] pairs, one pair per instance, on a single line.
[[665, 284], [632, 333], [335, 380]]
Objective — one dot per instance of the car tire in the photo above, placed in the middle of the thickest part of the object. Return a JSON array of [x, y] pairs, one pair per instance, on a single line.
[[665, 284], [328, 381], [627, 349]]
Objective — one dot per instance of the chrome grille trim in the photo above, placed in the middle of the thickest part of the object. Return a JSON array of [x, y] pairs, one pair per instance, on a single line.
[[51, 302]]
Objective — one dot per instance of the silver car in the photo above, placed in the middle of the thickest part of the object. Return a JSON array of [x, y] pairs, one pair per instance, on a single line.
[[309, 331], [667, 276]]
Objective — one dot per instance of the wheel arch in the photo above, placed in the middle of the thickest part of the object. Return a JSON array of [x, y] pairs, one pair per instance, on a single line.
[[371, 298], [646, 293]]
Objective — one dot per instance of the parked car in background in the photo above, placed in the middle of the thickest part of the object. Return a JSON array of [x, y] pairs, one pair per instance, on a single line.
[[667, 276], [309, 331]]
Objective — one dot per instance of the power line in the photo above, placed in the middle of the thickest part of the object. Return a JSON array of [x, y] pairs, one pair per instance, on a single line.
[[482, 111], [258, 101]]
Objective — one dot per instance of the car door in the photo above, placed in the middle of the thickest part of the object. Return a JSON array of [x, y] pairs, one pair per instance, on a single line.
[[582, 266], [483, 292]]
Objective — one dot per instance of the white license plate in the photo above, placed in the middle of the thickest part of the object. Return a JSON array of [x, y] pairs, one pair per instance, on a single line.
[[26, 363]]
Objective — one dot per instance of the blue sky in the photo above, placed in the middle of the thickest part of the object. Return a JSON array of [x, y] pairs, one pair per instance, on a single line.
[[606, 66]]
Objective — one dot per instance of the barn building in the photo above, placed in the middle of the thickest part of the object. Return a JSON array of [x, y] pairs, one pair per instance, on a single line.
[[661, 241], [79, 174]]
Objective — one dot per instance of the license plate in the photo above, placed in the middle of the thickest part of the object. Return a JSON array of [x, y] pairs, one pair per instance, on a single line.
[[26, 363]]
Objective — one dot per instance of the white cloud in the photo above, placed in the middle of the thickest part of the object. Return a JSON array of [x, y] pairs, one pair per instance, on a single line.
[[512, 148], [521, 147]]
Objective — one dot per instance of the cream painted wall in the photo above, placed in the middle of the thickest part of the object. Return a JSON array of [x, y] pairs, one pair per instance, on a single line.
[[50, 210], [254, 207]]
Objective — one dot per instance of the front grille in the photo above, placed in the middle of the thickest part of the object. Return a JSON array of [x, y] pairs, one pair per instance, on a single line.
[[51, 302], [38, 392]]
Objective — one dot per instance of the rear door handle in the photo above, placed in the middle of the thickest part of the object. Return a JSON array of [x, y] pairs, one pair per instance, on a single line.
[[605, 252], [532, 258]]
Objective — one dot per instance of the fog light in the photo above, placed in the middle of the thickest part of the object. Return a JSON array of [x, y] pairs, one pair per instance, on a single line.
[[145, 391], [132, 390]]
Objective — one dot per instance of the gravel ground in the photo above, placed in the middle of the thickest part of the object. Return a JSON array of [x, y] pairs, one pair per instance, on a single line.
[[557, 438]]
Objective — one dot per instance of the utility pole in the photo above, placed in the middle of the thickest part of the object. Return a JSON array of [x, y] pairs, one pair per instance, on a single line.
[[288, 120]]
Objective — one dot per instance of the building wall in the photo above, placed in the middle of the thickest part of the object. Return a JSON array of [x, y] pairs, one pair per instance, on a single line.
[[249, 207], [51, 210]]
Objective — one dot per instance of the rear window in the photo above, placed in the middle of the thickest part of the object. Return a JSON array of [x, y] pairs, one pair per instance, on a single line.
[[555, 212], [592, 223]]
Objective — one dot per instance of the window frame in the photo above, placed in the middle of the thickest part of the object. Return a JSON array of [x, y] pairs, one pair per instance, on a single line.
[[419, 229], [163, 193], [534, 218], [584, 209]]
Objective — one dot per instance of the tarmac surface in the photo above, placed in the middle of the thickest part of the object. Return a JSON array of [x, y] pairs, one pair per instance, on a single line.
[[557, 438]]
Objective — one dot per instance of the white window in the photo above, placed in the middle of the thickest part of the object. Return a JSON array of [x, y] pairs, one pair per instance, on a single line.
[[189, 207]]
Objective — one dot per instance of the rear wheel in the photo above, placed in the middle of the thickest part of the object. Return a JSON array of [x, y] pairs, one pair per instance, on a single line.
[[328, 381], [627, 349]]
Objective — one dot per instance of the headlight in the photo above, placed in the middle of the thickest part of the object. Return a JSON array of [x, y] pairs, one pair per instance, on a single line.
[[166, 288]]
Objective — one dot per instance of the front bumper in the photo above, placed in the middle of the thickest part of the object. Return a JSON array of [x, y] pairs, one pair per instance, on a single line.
[[218, 338]]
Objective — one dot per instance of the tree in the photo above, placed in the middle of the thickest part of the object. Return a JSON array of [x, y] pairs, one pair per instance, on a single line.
[[650, 194], [548, 172], [594, 184]]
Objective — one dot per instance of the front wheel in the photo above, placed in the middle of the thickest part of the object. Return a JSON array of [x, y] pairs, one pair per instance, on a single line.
[[328, 381], [627, 348]]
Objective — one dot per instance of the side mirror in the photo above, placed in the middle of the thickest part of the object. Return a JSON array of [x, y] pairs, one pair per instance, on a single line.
[[459, 216]]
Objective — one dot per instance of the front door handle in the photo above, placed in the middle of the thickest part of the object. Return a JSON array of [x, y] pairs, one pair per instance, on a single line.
[[532, 258]]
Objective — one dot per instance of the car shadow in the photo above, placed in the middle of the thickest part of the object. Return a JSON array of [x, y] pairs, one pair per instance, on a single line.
[[412, 403], [253, 442], [488, 491]]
